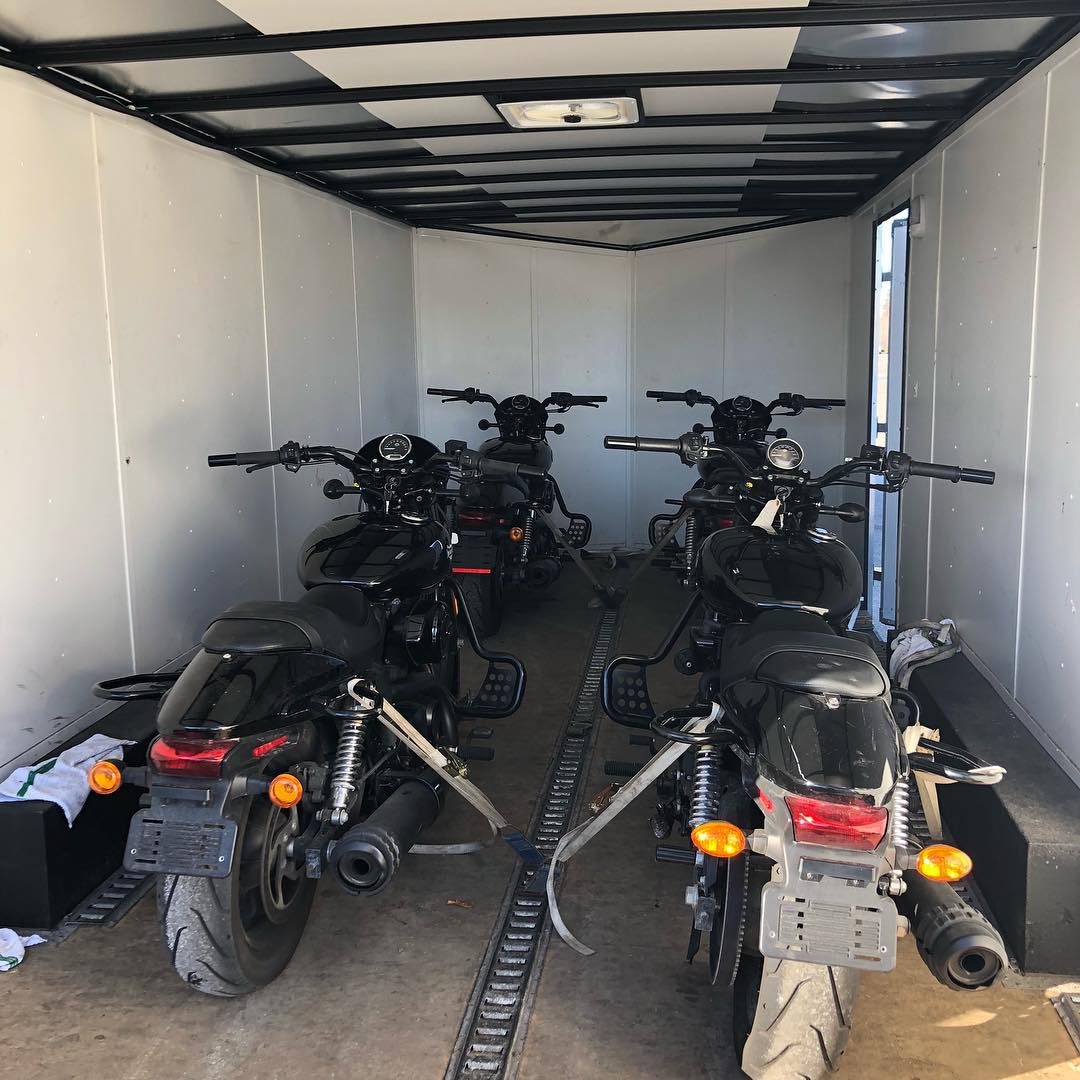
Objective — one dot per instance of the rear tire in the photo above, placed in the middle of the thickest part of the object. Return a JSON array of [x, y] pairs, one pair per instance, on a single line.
[[229, 936], [483, 595], [792, 1019]]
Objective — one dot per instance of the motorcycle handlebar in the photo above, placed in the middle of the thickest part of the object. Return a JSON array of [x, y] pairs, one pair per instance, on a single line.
[[825, 402], [953, 473], [637, 442], [256, 457], [441, 391]]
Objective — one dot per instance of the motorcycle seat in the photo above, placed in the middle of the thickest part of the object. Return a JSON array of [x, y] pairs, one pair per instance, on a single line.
[[334, 620], [798, 651]]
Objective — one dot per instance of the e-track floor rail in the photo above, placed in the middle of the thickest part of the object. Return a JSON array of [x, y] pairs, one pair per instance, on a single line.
[[493, 1030]]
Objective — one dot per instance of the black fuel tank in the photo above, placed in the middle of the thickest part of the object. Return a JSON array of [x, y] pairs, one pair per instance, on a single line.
[[744, 570], [383, 557], [536, 454]]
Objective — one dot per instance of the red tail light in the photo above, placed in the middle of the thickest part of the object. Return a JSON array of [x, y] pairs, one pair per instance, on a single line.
[[725, 523], [843, 825], [471, 570], [475, 518], [183, 755]]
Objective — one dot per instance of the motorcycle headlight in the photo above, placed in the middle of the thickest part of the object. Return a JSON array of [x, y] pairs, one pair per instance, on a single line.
[[785, 454]]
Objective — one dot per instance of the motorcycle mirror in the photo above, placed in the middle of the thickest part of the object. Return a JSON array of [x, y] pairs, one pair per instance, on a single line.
[[483, 425], [850, 511], [780, 433], [558, 429], [334, 489], [698, 429]]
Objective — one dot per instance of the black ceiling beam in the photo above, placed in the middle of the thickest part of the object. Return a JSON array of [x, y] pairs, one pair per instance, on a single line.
[[373, 184], [232, 100], [591, 215], [731, 230], [429, 161], [271, 137], [127, 50], [1000, 67], [499, 208], [736, 190]]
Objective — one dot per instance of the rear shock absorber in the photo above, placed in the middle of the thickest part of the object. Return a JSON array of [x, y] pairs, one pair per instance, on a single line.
[[690, 548], [901, 805], [348, 761], [705, 802], [527, 534]]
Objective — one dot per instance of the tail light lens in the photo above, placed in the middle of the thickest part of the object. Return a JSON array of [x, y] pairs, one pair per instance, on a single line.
[[725, 523], [475, 518], [182, 755], [853, 826]]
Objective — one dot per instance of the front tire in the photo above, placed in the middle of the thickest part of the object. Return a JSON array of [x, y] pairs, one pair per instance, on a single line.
[[229, 936], [792, 1019]]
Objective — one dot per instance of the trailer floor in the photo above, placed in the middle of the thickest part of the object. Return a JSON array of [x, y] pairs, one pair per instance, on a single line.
[[378, 988]]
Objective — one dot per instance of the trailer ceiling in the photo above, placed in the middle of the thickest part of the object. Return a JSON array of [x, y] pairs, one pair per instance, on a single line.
[[752, 113]]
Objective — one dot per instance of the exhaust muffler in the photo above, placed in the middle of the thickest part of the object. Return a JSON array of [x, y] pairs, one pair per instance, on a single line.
[[957, 942], [366, 858]]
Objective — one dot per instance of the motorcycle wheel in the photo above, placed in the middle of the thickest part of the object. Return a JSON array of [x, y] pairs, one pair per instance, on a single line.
[[792, 1019], [484, 595], [229, 936]]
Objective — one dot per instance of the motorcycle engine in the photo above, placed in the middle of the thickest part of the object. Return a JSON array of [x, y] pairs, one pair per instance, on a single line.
[[429, 635]]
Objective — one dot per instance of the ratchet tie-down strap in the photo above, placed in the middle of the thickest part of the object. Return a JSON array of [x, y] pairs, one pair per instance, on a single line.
[[578, 837], [452, 770]]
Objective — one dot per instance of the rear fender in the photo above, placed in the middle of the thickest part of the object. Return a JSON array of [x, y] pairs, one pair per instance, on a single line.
[[229, 696]]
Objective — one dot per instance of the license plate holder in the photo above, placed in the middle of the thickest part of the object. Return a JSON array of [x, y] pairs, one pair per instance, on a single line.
[[170, 841], [828, 923]]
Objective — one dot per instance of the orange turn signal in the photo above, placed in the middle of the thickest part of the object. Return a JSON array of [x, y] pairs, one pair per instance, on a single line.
[[285, 791], [105, 778], [517, 533], [943, 862], [719, 838]]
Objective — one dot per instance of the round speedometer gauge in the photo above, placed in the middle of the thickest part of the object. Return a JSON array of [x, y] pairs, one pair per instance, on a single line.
[[395, 447], [785, 454]]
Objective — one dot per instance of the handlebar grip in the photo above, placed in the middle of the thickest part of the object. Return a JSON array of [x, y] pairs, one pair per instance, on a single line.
[[817, 402], [255, 457], [531, 471], [440, 391], [953, 473], [636, 442], [494, 467], [664, 395], [588, 399]]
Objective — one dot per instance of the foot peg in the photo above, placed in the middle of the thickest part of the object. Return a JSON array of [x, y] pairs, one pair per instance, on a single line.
[[621, 768]]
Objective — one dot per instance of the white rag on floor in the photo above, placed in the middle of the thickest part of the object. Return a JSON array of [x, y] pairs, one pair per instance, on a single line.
[[13, 948], [62, 779], [914, 642]]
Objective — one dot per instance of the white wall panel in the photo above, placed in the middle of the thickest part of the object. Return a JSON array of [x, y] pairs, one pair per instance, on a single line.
[[785, 326], [992, 372], [311, 350], [64, 599], [988, 247], [474, 304], [1049, 634], [678, 345], [140, 292], [185, 305], [582, 305], [385, 323]]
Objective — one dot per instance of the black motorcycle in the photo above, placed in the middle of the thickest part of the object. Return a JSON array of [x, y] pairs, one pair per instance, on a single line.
[[506, 534], [803, 782], [271, 766], [742, 424]]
